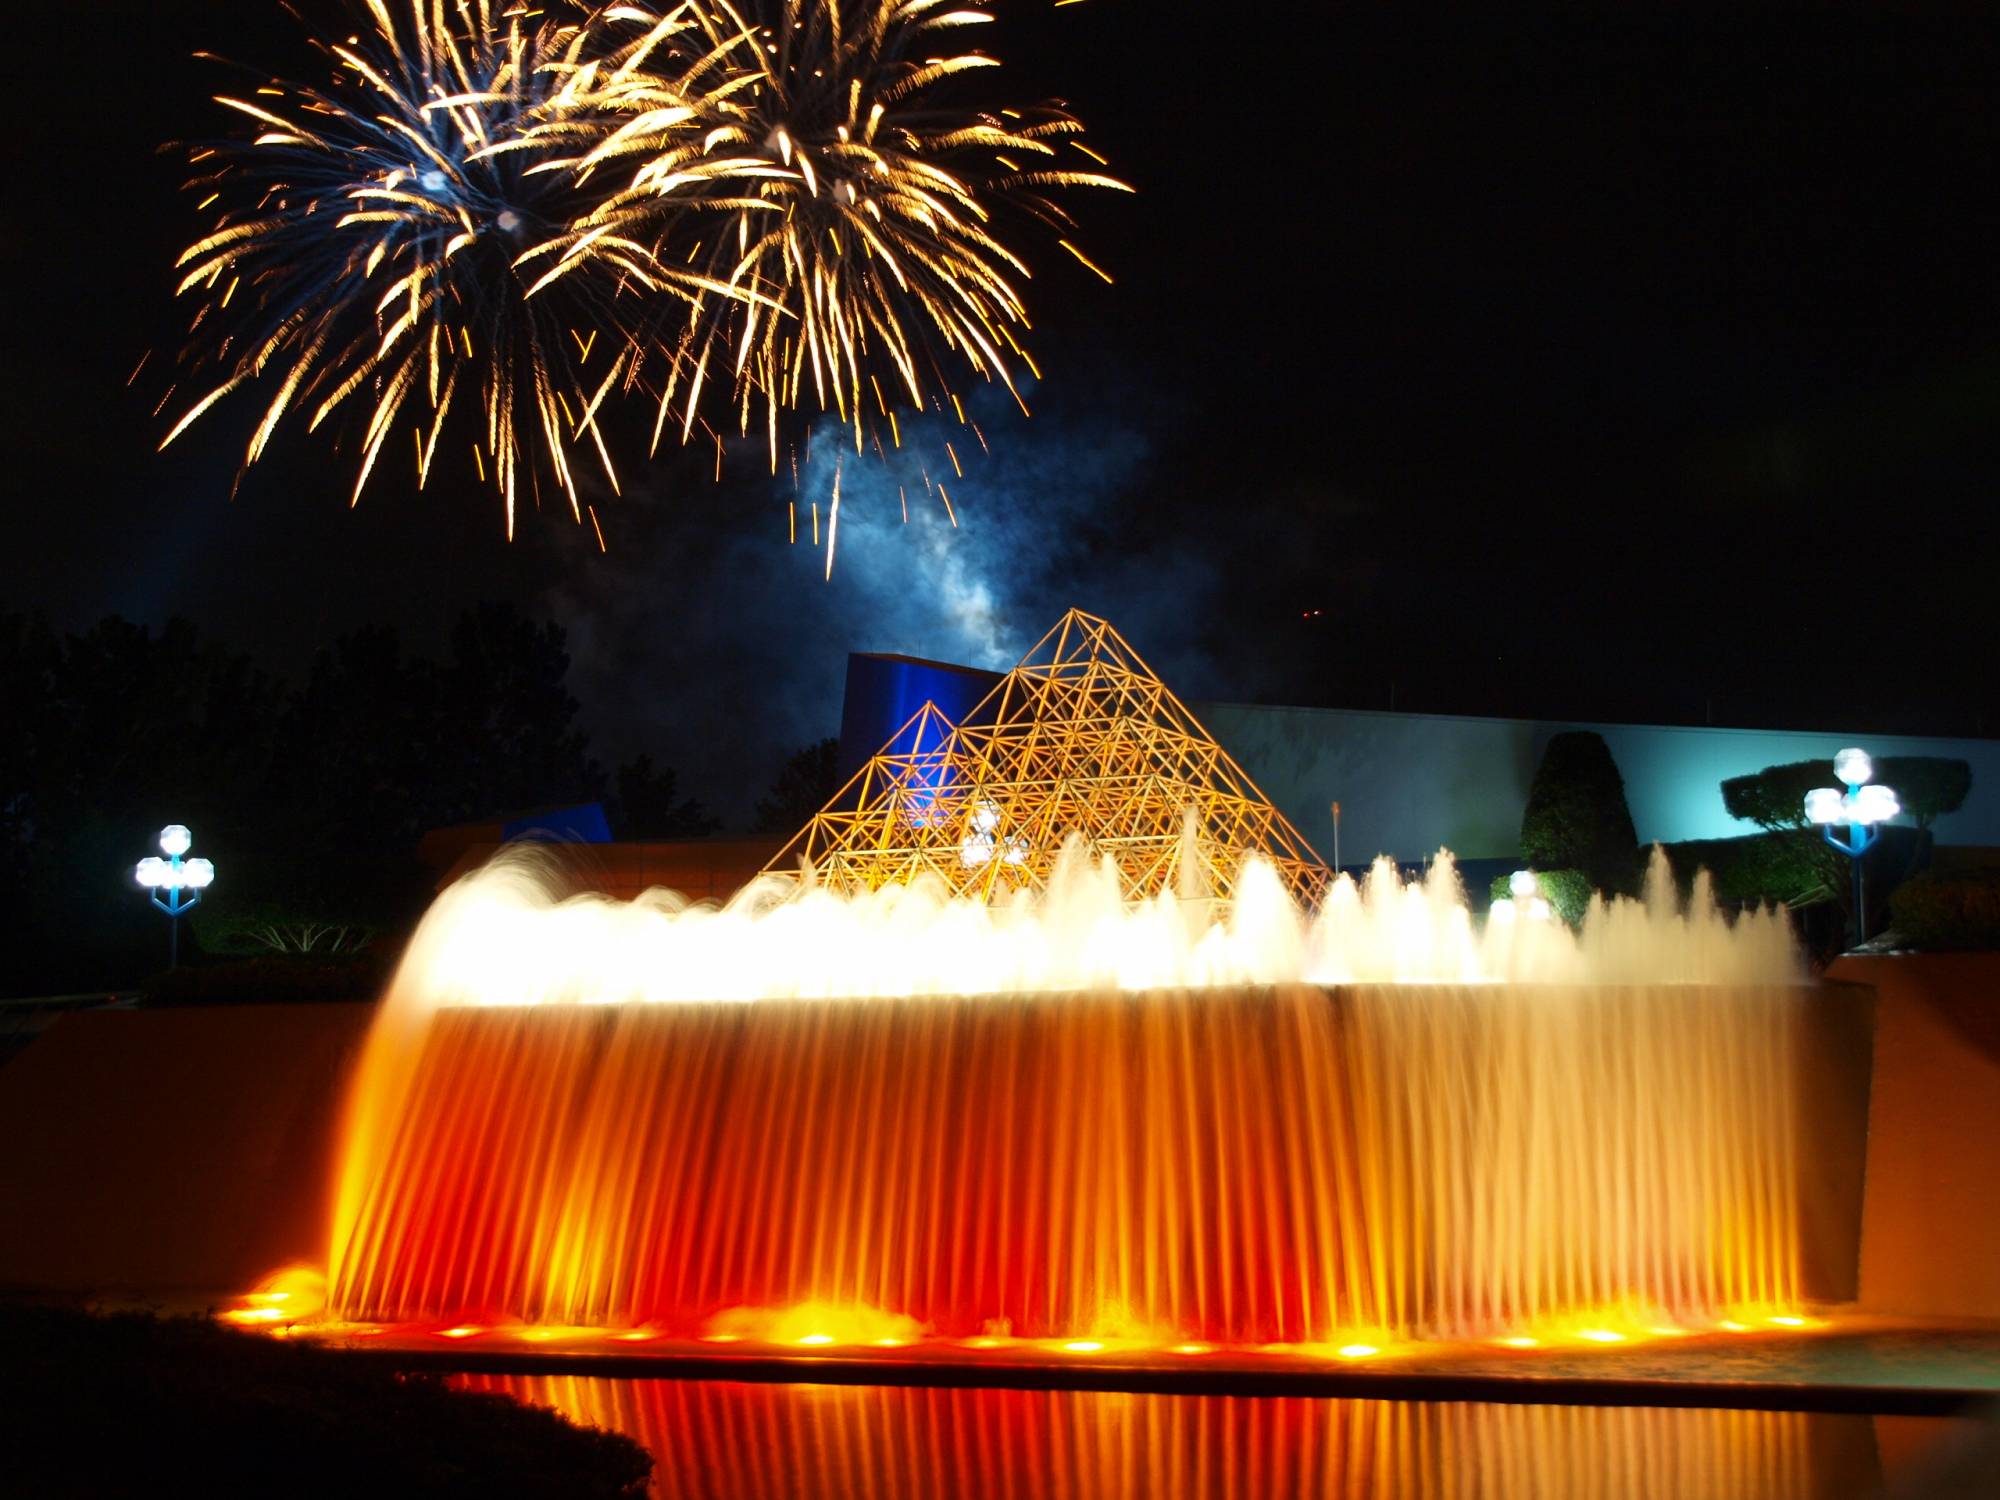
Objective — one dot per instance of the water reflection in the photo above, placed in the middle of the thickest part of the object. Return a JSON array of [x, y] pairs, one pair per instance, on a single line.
[[722, 1441]]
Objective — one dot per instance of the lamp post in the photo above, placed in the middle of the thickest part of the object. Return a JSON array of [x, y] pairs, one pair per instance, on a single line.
[[183, 881], [1865, 804]]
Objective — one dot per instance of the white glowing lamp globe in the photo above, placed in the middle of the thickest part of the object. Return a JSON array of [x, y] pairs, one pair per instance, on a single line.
[[198, 874], [1523, 884], [175, 840], [1874, 803], [1825, 805], [153, 872], [1853, 766]]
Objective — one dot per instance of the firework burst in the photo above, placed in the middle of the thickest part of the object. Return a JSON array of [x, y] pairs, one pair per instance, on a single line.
[[843, 202], [514, 217], [373, 255]]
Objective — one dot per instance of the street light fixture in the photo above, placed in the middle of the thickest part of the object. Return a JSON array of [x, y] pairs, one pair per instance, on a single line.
[[1865, 804], [183, 880]]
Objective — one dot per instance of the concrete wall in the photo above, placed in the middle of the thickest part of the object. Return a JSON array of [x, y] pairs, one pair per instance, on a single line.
[[161, 1151], [1410, 784], [1930, 1228]]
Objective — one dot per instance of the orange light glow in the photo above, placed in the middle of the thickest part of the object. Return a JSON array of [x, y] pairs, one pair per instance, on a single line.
[[464, 1331], [1519, 1341], [294, 1295], [780, 1442], [1307, 1133]]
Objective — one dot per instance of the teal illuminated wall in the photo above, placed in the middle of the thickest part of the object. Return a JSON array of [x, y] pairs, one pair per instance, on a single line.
[[1410, 784]]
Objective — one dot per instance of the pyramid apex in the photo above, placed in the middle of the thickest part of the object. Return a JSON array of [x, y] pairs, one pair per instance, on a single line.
[[1082, 737]]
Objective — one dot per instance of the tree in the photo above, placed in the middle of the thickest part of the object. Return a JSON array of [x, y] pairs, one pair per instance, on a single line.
[[648, 804], [1928, 786], [805, 784], [1576, 817], [1775, 797], [507, 719], [1775, 800]]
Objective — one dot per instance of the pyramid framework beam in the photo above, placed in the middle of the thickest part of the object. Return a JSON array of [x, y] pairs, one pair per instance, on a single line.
[[1081, 739]]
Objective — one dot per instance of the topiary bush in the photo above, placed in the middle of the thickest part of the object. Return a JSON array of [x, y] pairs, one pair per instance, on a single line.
[[1938, 910], [1928, 786], [1568, 892], [1778, 869], [1576, 818]]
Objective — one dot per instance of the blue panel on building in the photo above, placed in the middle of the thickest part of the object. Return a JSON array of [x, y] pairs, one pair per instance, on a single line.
[[884, 693], [584, 823]]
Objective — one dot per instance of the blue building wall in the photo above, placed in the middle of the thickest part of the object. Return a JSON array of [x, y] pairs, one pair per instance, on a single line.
[[1410, 784], [884, 693]]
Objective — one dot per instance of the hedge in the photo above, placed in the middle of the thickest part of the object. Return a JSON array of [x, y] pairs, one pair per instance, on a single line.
[[1937, 910]]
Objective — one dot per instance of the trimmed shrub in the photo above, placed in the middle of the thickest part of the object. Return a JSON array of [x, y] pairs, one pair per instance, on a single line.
[[1778, 868], [1928, 786], [1568, 892], [1576, 818], [1936, 910], [1775, 797]]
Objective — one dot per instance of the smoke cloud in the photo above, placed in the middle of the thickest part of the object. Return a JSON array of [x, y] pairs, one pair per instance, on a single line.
[[712, 639]]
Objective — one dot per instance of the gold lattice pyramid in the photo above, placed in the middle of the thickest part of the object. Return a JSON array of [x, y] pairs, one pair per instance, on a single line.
[[1080, 738]]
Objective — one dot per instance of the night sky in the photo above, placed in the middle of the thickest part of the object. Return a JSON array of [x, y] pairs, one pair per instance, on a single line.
[[1528, 359]]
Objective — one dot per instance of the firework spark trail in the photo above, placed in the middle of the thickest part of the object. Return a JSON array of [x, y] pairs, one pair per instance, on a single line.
[[841, 184], [379, 239], [512, 215]]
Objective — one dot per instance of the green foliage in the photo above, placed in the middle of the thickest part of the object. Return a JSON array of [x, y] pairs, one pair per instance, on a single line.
[[290, 903], [1928, 786], [134, 1405], [803, 787], [1782, 868], [1939, 910], [1568, 892], [1576, 817], [1775, 797]]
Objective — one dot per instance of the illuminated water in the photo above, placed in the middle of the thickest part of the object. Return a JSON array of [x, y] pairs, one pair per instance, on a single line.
[[1075, 1120], [728, 1441]]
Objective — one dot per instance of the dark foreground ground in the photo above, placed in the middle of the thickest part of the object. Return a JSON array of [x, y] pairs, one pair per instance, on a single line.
[[132, 1404]]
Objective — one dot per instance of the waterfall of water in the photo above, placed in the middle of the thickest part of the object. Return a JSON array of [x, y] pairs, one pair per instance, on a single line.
[[1073, 1117]]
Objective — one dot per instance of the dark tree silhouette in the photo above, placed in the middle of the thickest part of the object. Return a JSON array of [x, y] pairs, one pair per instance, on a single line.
[[806, 783]]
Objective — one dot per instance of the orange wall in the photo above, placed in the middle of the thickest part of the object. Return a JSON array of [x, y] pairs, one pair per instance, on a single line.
[[1930, 1231], [171, 1150], [188, 1149]]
